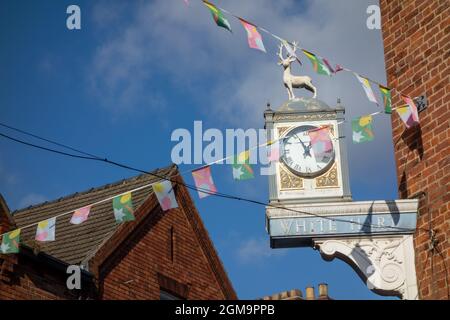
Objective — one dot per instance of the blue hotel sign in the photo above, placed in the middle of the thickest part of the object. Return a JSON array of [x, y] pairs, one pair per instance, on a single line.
[[317, 227]]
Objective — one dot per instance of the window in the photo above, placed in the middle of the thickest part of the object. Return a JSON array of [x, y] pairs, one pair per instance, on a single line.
[[164, 295]]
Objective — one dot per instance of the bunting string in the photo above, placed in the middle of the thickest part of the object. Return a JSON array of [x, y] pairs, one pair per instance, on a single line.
[[12, 237], [204, 185]]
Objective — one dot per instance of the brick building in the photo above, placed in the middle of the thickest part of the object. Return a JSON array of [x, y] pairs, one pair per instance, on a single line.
[[417, 49], [160, 255], [297, 294]]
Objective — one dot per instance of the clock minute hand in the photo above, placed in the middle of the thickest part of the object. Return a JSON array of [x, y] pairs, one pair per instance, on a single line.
[[305, 148], [303, 144]]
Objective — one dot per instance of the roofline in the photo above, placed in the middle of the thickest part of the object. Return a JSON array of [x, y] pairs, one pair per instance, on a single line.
[[205, 241], [95, 260], [60, 265], [108, 185], [4, 208]]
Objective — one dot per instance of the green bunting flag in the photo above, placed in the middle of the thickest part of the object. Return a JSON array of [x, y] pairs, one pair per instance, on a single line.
[[387, 99], [362, 129], [218, 16], [241, 167], [123, 208], [319, 65], [10, 242]]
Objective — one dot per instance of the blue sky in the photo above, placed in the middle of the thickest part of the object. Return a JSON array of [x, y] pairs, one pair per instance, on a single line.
[[137, 70]]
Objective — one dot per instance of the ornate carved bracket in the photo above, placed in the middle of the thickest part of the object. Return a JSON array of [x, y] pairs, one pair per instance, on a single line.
[[385, 263]]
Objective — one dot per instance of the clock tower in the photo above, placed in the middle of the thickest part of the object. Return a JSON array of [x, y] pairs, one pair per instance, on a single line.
[[310, 203], [304, 173]]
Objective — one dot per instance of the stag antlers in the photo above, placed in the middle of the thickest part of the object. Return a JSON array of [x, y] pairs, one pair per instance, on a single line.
[[291, 53]]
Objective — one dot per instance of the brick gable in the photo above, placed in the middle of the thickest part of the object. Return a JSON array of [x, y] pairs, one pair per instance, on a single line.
[[159, 250]]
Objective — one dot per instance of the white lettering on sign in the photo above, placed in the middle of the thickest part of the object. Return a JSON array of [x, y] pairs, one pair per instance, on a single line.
[[300, 224], [333, 226], [286, 225]]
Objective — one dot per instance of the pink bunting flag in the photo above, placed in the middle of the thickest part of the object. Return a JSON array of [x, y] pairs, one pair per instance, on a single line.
[[204, 182], [274, 151], [409, 113], [254, 38], [165, 195], [46, 230], [327, 63], [80, 215], [321, 143], [338, 68]]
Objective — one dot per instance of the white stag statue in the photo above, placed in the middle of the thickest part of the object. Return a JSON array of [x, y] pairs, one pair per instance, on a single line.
[[291, 81]]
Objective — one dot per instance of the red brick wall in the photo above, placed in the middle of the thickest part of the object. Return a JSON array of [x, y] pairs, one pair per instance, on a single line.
[[132, 270], [23, 278], [417, 49]]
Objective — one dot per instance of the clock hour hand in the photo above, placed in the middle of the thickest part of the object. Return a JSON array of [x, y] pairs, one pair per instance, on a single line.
[[305, 148]]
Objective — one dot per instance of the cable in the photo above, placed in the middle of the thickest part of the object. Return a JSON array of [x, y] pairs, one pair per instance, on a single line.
[[217, 194], [47, 140]]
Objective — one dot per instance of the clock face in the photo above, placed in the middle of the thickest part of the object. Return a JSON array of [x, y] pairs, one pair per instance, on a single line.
[[308, 151]]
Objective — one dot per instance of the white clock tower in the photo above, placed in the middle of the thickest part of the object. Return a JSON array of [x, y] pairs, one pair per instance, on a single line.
[[302, 175], [310, 204]]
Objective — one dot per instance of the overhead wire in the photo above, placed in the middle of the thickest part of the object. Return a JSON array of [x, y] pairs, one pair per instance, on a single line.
[[191, 187]]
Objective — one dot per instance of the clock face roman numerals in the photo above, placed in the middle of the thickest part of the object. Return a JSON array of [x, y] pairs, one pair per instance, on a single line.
[[307, 155]]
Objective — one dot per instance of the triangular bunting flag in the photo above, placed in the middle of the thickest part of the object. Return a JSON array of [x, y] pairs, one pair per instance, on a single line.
[[10, 242], [80, 215], [321, 143], [338, 68], [387, 99], [327, 63], [123, 208], [253, 36], [204, 182], [218, 16], [362, 129], [241, 167], [367, 88], [318, 64], [409, 114], [273, 149], [46, 230], [165, 194]]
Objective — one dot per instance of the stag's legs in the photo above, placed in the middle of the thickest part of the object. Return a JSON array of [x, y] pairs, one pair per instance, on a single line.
[[311, 88], [290, 91]]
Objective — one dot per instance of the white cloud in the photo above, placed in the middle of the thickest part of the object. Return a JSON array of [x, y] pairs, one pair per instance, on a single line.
[[165, 44], [255, 250]]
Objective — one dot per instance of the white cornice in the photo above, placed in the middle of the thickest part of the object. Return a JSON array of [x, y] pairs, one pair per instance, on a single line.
[[343, 208]]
